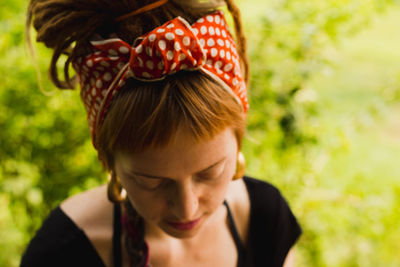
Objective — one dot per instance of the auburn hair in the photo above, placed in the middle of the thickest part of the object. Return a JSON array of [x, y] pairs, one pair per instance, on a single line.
[[142, 114]]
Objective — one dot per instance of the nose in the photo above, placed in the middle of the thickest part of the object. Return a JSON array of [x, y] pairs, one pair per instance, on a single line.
[[184, 202]]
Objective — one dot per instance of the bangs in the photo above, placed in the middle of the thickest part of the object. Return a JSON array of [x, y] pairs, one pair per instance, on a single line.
[[146, 115]]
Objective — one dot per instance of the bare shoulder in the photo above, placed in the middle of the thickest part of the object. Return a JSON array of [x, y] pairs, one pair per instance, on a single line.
[[239, 202], [92, 212], [89, 208]]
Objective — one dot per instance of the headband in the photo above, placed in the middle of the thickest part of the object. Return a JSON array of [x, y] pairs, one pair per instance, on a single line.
[[207, 45]]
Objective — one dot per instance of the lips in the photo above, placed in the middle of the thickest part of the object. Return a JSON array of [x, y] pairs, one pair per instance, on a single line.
[[185, 225]]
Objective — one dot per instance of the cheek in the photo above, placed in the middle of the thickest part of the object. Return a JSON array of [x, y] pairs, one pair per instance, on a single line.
[[214, 195], [148, 204]]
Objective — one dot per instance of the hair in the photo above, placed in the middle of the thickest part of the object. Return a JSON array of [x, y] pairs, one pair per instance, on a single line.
[[142, 114]]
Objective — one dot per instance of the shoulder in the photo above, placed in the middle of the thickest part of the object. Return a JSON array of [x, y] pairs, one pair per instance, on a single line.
[[273, 228], [92, 212], [61, 240]]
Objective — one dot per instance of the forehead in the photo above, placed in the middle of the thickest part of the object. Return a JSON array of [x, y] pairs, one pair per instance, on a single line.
[[184, 155]]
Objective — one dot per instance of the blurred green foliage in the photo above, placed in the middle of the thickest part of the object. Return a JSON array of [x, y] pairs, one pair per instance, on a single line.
[[46, 154]]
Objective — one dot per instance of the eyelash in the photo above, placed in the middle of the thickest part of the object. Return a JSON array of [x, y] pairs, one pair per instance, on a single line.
[[140, 182], [212, 176]]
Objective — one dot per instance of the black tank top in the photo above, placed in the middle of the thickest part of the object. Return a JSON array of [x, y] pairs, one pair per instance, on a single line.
[[117, 253]]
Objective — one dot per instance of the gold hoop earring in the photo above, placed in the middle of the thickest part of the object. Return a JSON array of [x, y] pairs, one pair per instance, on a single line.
[[115, 192], [240, 167]]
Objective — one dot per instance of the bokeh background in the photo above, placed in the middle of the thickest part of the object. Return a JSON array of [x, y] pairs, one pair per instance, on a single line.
[[324, 127]]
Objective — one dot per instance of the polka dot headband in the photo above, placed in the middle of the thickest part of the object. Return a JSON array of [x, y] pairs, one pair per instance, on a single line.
[[207, 45]]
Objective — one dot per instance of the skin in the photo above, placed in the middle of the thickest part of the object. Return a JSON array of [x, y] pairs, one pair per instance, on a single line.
[[183, 182]]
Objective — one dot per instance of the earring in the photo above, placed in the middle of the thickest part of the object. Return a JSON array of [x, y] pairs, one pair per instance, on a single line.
[[240, 167], [115, 192]]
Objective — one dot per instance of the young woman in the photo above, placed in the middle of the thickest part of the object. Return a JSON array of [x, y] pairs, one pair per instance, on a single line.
[[164, 87]]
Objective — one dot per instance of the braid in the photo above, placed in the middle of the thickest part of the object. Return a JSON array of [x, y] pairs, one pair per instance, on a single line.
[[134, 239], [241, 38]]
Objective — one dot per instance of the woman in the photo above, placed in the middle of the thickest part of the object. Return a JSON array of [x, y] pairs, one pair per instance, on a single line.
[[163, 87]]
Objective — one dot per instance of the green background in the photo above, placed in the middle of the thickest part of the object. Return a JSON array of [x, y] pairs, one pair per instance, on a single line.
[[323, 126]]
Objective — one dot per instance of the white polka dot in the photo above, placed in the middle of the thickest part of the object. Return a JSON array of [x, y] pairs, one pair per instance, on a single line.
[[210, 42], [200, 20], [149, 52], [217, 31], [89, 63], [93, 91], [210, 18], [162, 44], [220, 42], [170, 55], [224, 33], [214, 52], [179, 32], [170, 26], [209, 62], [92, 82], [218, 64], [129, 74], [177, 46], [170, 36], [222, 22], [152, 37], [140, 62], [173, 66], [203, 30], [107, 76], [96, 74], [120, 65], [186, 41], [114, 58], [150, 64], [211, 30], [160, 65], [235, 81], [195, 31], [103, 93], [85, 68], [139, 49], [202, 42], [181, 57], [226, 76], [222, 53], [227, 43], [160, 30], [124, 50], [112, 52], [105, 63], [194, 62], [228, 67], [146, 74], [189, 53], [228, 55], [217, 19], [184, 66]]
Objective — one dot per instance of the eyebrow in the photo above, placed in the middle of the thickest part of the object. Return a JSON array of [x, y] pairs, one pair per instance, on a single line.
[[162, 177]]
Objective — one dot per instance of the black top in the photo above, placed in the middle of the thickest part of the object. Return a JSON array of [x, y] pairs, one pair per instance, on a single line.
[[273, 230]]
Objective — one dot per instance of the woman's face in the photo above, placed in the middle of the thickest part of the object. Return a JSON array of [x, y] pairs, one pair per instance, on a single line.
[[177, 188]]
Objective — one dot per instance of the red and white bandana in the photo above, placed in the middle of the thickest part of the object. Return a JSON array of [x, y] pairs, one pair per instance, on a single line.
[[207, 45]]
